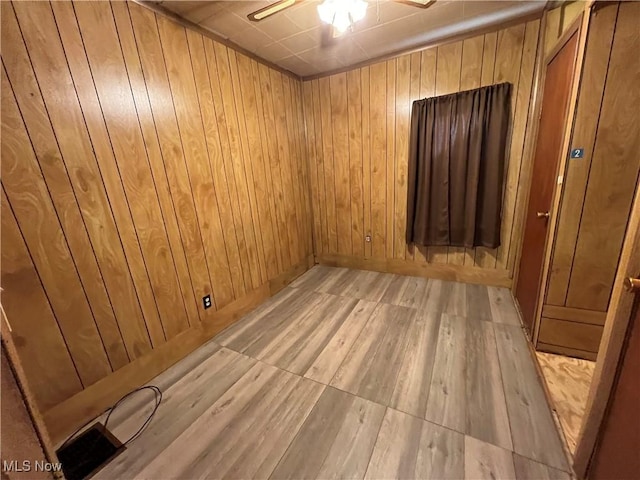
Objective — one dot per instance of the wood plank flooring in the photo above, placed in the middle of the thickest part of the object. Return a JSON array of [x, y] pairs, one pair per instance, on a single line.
[[352, 374]]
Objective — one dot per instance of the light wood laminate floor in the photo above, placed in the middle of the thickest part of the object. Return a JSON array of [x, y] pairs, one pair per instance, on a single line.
[[568, 380], [353, 374]]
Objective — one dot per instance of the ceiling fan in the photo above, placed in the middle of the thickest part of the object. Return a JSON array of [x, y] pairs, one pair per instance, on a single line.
[[337, 15]]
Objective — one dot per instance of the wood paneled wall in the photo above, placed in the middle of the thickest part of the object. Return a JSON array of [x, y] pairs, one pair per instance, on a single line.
[[143, 166], [358, 142], [598, 189]]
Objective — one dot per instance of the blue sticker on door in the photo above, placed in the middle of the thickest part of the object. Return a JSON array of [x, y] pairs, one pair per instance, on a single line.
[[577, 153]]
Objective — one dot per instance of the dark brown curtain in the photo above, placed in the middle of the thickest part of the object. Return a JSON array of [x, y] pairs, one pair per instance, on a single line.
[[456, 168]]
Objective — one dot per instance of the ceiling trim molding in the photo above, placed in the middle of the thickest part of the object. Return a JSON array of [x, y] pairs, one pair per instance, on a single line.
[[432, 44], [165, 12]]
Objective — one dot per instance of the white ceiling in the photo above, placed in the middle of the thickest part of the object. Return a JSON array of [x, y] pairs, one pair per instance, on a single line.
[[292, 38]]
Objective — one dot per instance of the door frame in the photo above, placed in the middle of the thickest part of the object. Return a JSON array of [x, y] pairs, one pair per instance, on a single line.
[[581, 26], [613, 337]]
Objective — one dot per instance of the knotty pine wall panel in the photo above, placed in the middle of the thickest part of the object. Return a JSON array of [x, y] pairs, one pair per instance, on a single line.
[[358, 144], [144, 166]]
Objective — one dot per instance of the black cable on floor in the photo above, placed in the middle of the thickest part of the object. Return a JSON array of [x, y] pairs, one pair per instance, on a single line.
[[158, 399]]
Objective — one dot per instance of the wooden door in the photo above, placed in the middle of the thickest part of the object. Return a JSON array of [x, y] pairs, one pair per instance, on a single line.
[[616, 454], [553, 117]]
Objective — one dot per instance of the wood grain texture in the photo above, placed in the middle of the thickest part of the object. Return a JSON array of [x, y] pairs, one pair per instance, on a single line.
[[243, 418], [487, 417], [322, 444], [145, 164], [112, 84], [64, 417], [371, 367], [574, 314], [446, 404], [588, 107], [614, 170], [329, 360], [382, 104], [568, 380], [222, 369], [597, 196], [485, 461], [569, 334], [48, 363], [527, 469], [458, 273], [27, 194], [408, 447], [70, 216], [533, 429]]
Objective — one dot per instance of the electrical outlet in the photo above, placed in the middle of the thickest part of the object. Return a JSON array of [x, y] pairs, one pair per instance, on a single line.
[[367, 238], [206, 301]]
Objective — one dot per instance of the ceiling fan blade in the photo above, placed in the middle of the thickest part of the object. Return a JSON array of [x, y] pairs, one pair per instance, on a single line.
[[272, 9], [418, 3]]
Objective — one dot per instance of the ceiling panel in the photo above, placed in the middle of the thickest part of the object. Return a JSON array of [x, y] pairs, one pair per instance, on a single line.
[[292, 38]]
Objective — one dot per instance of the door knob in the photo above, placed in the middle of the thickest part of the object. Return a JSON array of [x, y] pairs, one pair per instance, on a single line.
[[632, 284], [542, 214]]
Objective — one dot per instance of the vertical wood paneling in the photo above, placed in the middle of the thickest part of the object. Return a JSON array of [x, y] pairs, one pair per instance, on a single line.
[[354, 86], [246, 235], [614, 173], [144, 166], [520, 104], [64, 200], [278, 242], [596, 64], [58, 110], [149, 133], [181, 80], [323, 239], [27, 194], [402, 118], [303, 167], [254, 141], [312, 158], [296, 202], [229, 152], [391, 157], [123, 129], [207, 113], [387, 90], [284, 149], [329, 173], [366, 154], [276, 174], [378, 152], [510, 45], [162, 106], [48, 364], [524, 125], [249, 213], [282, 90], [342, 174], [87, 118]]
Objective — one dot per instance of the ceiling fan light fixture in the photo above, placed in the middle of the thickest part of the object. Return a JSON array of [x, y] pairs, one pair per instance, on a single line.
[[270, 10], [342, 13]]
